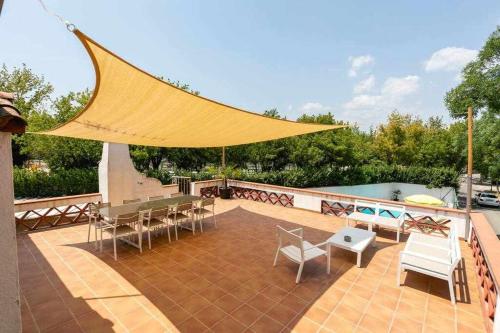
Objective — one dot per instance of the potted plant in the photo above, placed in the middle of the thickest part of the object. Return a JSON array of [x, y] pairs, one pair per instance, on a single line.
[[395, 195], [224, 190]]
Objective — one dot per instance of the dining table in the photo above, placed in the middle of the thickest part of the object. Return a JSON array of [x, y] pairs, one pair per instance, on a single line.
[[110, 213]]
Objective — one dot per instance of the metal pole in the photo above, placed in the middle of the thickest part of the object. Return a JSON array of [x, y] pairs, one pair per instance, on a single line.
[[469, 171], [224, 180], [223, 157]]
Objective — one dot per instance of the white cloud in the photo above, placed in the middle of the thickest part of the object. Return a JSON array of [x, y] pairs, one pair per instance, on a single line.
[[390, 97], [357, 63], [401, 86], [365, 85], [449, 59], [311, 108], [363, 102]]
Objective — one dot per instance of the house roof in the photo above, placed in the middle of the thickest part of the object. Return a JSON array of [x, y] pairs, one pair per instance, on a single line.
[[10, 119]]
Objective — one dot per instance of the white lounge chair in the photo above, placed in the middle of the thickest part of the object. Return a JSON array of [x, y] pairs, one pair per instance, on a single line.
[[292, 246], [369, 213], [432, 255]]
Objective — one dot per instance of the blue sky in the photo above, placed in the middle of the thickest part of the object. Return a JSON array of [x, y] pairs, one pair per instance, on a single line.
[[357, 59]]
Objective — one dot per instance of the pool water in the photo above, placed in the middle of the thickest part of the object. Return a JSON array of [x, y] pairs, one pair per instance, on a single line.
[[384, 213]]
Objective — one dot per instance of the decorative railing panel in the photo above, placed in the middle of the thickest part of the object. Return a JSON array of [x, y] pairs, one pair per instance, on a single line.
[[485, 280], [209, 192], [427, 224], [336, 208], [53, 212], [274, 198], [424, 223]]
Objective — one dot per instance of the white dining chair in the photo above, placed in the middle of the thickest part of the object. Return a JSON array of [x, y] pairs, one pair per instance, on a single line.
[[200, 208], [127, 201], [95, 218], [126, 227]]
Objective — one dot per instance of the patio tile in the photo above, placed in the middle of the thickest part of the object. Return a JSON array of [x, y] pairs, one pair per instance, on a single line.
[[150, 326], [192, 325], [228, 325], [351, 314], [276, 293], [212, 293], [373, 323], [246, 315], [281, 314], [206, 283], [228, 303], [177, 315], [316, 314], [94, 322], [261, 303], [243, 293], [404, 324], [266, 324], [304, 325], [70, 326], [50, 314], [210, 315], [134, 318], [194, 303], [293, 302]]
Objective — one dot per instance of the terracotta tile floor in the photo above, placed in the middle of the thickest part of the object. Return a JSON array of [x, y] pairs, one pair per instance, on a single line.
[[223, 281]]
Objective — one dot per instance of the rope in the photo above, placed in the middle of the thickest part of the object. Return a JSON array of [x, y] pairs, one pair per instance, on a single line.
[[70, 26]]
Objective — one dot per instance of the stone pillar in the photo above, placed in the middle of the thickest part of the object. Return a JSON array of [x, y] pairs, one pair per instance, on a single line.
[[119, 180], [10, 309]]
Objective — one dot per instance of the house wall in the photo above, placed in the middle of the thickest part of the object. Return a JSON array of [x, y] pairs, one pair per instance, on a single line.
[[10, 310]]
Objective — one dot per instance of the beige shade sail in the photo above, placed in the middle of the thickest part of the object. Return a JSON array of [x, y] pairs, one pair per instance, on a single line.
[[133, 107]]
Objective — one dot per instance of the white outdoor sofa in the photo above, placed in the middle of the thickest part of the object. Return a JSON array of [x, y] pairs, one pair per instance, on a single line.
[[374, 217], [432, 255]]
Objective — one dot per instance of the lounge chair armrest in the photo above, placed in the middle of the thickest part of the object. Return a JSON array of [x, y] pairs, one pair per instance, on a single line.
[[298, 231], [422, 256], [433, 245], [318, 245]]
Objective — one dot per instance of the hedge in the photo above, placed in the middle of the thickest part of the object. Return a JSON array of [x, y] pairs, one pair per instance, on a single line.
[[36, 184], [39, 184], [365, 174]]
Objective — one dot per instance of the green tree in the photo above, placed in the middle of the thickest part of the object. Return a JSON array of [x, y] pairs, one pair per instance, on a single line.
[[32, 98], [480, 88], [481, 82], [333, 149], [58, 152]]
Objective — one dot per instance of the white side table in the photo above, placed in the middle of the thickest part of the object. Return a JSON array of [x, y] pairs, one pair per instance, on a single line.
[[360, 239]]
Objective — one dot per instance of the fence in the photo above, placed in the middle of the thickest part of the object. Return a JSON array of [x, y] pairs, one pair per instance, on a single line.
[[486, 251], [52, 212], [183, 182]]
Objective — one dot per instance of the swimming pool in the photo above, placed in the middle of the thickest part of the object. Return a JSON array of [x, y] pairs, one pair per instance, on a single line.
[[386, 191]]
